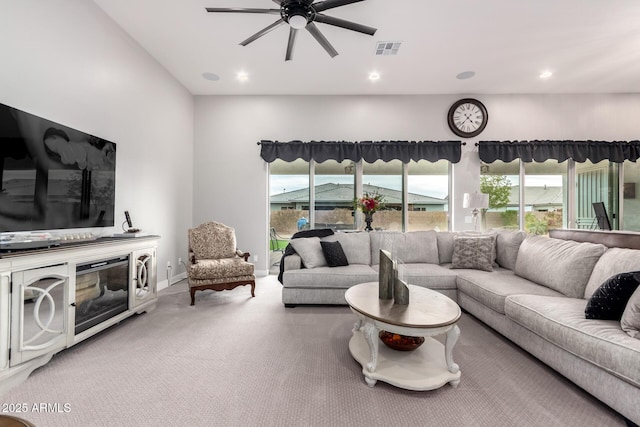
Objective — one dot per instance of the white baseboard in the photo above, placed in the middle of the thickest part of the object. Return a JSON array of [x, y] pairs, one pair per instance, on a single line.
[[162, 284]]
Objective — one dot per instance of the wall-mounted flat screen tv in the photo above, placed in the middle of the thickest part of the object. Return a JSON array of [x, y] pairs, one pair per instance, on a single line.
[[52, 176]]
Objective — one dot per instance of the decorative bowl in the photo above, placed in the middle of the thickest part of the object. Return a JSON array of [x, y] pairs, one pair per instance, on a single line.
[[400, 342]]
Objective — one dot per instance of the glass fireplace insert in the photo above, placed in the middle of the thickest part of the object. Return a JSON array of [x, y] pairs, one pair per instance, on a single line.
[[102, 291]]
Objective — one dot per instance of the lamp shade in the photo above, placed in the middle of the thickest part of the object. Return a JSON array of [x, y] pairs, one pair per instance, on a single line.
[[475, 201]]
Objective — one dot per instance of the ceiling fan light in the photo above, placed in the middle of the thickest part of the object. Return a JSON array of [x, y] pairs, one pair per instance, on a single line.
[[297, 21]]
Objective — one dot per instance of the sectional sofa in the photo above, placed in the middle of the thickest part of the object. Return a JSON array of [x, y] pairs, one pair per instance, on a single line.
[[531, 289]]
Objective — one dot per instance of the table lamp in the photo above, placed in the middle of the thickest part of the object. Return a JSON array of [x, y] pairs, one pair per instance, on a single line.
[[475, 201]]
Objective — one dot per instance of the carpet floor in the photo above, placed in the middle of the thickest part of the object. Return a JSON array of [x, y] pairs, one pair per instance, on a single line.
[[233, 360]]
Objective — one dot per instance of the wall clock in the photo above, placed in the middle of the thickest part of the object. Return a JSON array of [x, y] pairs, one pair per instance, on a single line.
[[467, 117]]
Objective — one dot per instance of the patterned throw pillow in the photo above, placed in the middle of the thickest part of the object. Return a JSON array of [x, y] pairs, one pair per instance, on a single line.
[[334, 254], [474, 252], [610, 299], [630, 321]]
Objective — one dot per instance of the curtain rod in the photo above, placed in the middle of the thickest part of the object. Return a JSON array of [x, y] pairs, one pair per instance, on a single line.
[[462, 143]]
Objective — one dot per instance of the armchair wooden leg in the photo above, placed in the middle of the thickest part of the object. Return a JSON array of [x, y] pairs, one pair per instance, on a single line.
[[253, 289], [193, 296]]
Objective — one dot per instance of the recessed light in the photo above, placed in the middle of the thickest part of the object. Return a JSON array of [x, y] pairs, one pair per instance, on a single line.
[[374, 76], [242, 76], [465, 75], [546, 74], [211, 76]]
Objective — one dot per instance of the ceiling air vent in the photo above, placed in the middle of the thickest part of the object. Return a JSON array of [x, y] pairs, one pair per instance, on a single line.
[[387, 48]]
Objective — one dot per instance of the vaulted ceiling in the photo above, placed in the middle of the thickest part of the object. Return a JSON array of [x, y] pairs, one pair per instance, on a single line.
[[590, 46]]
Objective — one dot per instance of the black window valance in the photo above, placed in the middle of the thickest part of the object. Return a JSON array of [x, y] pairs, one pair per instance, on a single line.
[[369, 151], [540, 151]]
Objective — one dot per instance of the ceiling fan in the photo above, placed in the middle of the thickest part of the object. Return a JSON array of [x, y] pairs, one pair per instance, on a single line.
[[301, 14]]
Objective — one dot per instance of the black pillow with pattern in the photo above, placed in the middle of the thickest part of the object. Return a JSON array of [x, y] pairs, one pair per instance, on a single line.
[[610, 299], [334, 254]]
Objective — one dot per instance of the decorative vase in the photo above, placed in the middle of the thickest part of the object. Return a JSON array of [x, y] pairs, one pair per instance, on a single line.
[[400, 292], [368, 218], [386, 275]]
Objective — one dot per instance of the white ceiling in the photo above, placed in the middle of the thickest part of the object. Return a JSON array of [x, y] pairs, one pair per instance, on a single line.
[[591, 46]]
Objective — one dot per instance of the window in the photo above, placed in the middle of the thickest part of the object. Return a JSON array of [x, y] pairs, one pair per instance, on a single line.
[[289, 196], [419, 190], [596, 182], [545, 196], [427, 195], [334, 184], [631, 196], [501, 180], [385, 178]]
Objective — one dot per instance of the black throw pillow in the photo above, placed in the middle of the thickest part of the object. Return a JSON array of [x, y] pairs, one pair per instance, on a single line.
[[610, 299], [334, 254]]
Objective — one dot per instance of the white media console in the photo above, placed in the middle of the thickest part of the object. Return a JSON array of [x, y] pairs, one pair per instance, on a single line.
[[51, 299]]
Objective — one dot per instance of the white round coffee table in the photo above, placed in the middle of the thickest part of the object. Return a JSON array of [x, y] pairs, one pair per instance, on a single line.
[[428, 314]]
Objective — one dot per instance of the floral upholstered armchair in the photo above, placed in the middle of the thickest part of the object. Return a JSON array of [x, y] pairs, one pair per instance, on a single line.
[[214, 261]]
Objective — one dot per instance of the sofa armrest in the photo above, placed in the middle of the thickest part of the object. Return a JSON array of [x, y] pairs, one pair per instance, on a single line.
[[244, 255], [292, 262]]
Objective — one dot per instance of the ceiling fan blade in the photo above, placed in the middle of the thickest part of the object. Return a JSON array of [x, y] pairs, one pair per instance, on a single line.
[[330, 4], [315, 32], [242, 10], [262, 32], [292, 42], [337, 22]]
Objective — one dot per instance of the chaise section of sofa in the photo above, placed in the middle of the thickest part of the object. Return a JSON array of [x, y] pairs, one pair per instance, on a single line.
[[540, 306]]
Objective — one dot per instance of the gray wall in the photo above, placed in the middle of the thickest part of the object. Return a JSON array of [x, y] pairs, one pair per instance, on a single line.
[[68, 62], [231, 180]]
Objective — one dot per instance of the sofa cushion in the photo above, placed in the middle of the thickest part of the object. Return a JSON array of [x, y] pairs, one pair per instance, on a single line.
[[473, 252], [445, 246], [382, 240], [491, 288], [334, 254], [507, 245], [310, 251], [610, 299], [563, 265], [613, 261], [630, 321], [356, 246], [416, 247], [329, 277], [432, 276], [220, 268], [561, 321]]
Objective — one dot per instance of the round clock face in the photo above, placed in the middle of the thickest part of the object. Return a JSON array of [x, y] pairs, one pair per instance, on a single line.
[[467, 117]]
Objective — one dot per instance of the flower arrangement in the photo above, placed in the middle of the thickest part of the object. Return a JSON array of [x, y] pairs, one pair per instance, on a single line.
[[369, 203]]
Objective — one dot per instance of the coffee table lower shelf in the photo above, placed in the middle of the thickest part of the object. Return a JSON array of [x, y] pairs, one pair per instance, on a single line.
[[424, 368]]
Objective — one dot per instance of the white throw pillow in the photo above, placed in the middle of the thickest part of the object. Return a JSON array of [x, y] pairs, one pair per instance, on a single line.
[[630, 321], [310, 251]]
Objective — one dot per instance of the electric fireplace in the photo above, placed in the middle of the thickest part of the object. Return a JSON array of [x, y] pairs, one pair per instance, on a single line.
[[102, 291]]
